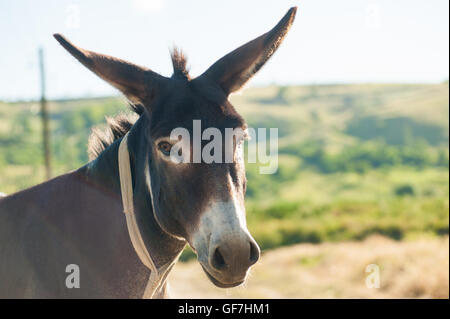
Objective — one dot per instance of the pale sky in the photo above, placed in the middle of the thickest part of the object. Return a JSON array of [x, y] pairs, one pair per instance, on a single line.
[[345, 41]]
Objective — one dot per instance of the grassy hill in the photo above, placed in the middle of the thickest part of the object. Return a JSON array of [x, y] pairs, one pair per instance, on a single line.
[[354, 160]]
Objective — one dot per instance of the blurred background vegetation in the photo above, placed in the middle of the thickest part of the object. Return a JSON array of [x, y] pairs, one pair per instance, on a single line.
[[354, 160]]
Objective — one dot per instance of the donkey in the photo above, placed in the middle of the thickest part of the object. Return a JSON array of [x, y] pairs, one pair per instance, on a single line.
[[74, 224]]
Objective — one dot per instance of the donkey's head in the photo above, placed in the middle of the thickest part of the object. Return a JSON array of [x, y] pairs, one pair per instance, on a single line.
[[196, 200]]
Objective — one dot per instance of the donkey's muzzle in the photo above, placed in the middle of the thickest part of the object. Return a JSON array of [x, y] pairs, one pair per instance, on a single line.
[[224, 247], [230, 257], [234, 256]]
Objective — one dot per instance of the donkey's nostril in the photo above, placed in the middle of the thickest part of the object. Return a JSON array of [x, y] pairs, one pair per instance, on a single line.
[[233, 258], [254, 253], [218, 262]]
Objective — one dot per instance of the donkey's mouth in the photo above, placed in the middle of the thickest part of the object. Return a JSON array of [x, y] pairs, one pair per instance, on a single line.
[[219, 283]]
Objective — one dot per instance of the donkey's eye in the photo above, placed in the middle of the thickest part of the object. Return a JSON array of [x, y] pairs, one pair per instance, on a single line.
[[165, 148]]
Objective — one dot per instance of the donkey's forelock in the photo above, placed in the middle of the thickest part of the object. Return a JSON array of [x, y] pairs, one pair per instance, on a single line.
[[179, 63]]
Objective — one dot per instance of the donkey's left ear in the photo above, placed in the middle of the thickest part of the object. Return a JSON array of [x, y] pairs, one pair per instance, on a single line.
[[233, 70], [137, 83]]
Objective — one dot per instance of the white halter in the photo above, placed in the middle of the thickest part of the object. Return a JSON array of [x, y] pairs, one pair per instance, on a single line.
[[157, 278]]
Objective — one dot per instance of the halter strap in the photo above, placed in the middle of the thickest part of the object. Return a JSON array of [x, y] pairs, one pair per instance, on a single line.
[[126, 187]]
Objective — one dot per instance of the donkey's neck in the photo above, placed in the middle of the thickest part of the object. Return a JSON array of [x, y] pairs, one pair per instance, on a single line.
[[104, 172]]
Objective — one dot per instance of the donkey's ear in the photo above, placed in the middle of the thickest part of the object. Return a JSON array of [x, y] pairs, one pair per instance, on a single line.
[[233, 70], [139, 84]]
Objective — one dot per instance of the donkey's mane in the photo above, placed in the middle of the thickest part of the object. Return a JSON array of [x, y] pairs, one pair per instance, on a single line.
[[119, 125], [100, 139]]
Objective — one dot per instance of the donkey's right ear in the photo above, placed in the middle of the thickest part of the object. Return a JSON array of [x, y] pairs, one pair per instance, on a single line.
[[233, 70], [138, 84]]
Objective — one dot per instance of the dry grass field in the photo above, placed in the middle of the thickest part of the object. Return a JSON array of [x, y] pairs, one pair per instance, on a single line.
[[408, 269]]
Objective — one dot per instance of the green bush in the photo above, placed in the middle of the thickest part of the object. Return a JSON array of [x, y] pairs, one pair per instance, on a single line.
[[363, 157], [404, 190]]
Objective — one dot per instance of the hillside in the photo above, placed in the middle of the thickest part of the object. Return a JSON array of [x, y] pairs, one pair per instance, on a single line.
[[342, 114], [354, 160], [332, 117]]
